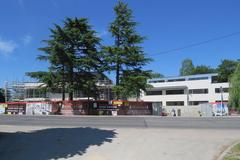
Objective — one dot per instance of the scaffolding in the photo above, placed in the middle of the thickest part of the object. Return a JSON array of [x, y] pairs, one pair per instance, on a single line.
[[22, 91], [17, 90]]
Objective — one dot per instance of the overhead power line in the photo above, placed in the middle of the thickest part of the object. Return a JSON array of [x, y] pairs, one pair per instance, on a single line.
[[196, 44]]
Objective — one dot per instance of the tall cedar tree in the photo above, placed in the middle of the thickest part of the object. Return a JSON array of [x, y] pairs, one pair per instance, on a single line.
[[202, 69], [187, 67], [234, 94], [126, 57], [133, 81], [72, 52], [226, 70]]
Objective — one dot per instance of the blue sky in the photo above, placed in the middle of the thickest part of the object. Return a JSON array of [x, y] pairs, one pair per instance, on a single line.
[[167, 24]]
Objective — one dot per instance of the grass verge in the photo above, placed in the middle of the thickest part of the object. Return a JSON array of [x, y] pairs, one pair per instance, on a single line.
[[234, 153]]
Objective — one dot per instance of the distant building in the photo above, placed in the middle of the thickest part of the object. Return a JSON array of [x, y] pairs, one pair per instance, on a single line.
[[31, 91], [186, 90]]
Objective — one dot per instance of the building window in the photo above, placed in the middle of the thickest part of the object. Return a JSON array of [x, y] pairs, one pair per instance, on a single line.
[[176, 80], [219, 101], [218, 90], [195, 103], [198, 91], [175, 103], [215, 79], [173, 92], [35, 93], [149, 93], [156, 81], [197, 78]]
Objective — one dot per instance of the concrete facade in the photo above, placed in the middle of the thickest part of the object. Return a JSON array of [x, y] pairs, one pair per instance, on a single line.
[[186, 90]]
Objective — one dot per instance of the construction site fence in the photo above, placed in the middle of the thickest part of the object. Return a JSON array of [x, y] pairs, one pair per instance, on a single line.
[[81, 107]]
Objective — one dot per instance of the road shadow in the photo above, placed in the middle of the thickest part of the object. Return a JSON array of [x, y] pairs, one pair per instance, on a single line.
[[51, 143]]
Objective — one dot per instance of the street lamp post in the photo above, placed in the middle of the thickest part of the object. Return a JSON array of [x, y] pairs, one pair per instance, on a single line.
[[221, 91]]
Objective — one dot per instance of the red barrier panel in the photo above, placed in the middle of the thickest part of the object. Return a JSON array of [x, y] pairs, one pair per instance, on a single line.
[[80, 107]]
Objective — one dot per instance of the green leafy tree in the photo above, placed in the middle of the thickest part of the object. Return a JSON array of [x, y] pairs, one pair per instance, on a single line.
[[131, 85], [226, 69], [187, 67], [157, 75], [126, 56], [72, 52], [202, 69], [234, 94]]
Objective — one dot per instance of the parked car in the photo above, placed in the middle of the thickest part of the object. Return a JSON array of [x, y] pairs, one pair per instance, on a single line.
[[164, 112]]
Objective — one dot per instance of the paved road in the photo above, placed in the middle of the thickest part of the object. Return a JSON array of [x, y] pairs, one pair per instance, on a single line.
[[115, 138], [124, 122], [80, 143]]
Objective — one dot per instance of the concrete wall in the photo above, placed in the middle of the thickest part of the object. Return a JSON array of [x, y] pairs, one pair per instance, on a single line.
[[204, 110], [185, 111]]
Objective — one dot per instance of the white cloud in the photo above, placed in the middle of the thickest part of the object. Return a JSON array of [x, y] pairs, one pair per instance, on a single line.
[[7, 47], [27, 39], [102, 33]]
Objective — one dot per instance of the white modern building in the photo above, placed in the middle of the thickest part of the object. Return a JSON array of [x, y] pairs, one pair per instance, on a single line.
[[186, 90]]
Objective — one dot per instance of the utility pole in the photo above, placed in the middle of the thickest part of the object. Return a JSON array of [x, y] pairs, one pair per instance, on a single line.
[[221, 91]]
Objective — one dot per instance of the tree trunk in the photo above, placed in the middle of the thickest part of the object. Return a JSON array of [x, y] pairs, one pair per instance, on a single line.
[[71, 85], [117, 80], [63, 91], [70, 95], [138, 96], [63, 98], [117, 69], [88, 99], [63, 83]]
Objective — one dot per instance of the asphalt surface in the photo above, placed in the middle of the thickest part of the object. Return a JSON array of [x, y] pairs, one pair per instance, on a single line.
[[123, 121], [116, 138]]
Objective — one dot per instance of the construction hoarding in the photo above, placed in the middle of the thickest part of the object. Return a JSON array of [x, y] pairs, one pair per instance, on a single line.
[[74, 108], [135, 108], [80, 107], [3, 108], [38, 108], [16, 108], [219, 109]]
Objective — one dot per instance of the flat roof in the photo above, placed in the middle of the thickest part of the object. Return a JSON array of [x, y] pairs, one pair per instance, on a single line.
[[167, 87], [184, 77]]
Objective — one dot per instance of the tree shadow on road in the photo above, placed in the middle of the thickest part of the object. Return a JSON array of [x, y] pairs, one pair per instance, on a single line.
[[51, 143]]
